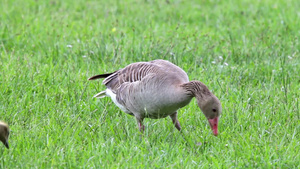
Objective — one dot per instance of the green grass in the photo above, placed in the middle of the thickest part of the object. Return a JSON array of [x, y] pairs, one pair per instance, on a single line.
[[246, 52]]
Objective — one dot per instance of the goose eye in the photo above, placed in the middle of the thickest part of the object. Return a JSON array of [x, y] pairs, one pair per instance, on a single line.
[[214, 110]]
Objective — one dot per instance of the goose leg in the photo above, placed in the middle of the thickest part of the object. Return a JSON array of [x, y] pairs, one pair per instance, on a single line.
[[140, 124], [175, 120]]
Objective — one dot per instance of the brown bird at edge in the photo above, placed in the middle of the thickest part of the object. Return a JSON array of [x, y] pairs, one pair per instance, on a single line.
[[157, 89], [4, 133]]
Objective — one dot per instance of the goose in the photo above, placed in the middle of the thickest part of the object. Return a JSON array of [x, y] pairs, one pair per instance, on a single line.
[[157, 89], [4, 133]]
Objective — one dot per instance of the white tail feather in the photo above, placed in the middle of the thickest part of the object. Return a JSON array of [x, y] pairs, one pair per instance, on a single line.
[[101, 94]]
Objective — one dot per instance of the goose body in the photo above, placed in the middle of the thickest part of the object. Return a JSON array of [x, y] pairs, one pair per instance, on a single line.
[[4, 134], [157, 89]]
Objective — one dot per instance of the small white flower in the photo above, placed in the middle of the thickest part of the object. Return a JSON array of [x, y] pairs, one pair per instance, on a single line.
[[226, 64], [84, 56], [213, 62], [171, 53], [69, 46], [290, 57], [220, 57], [226, 145]]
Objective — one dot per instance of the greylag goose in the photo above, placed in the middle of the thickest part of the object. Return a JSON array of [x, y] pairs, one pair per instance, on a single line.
[[4, 133], [157, 89]]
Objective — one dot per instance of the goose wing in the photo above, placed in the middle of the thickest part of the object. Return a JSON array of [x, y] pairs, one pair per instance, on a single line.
[[137, 71]]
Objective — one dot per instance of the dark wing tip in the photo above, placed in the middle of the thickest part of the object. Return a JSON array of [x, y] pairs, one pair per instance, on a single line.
[[94, 77], [100, 76]]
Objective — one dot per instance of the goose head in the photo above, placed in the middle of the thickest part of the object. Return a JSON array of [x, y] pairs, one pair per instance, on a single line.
[[4, 134], [212, 109]]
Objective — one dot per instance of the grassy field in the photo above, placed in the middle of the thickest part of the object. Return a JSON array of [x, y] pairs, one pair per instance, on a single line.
[[246, 52]]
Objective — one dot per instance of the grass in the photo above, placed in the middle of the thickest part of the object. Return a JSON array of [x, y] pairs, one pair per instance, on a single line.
[[247, 52]]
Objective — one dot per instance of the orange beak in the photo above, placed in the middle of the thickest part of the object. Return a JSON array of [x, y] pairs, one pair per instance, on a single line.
[[214, 125]]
